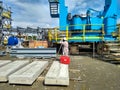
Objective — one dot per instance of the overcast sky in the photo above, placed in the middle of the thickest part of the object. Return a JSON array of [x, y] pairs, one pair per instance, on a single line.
[[35, 13]]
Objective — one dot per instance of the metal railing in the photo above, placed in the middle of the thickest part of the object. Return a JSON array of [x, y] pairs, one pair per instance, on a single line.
[[55, 33], [118, 29]]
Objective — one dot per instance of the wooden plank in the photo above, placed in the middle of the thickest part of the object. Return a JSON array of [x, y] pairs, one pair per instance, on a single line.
[[115, 54]]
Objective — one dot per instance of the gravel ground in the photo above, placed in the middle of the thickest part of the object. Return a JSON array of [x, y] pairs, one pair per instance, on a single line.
[[85, 72]]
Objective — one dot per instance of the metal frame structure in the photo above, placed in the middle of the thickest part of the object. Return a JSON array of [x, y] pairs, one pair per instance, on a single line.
[[55, 35], [5, 19], [40, 33]]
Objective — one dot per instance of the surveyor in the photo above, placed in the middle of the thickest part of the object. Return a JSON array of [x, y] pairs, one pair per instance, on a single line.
[[64, 42]]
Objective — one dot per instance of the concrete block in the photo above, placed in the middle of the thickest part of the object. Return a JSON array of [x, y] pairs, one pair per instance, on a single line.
[[4, 62], [10, 68], [58, 74], [29, 73]]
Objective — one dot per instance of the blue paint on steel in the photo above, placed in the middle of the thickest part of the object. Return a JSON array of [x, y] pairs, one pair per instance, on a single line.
[[110, 25], [76, 20], [98, 21], [108, 17], [84, 20], [63, 15]]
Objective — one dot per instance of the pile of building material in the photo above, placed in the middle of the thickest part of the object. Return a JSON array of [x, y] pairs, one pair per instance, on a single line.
[[35, 44], [24, 72]]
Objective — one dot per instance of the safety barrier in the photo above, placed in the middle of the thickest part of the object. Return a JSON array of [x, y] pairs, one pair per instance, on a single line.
[[55, 33]]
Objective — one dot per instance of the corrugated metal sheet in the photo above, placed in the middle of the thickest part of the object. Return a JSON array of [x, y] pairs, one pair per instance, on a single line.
[[33, 52]]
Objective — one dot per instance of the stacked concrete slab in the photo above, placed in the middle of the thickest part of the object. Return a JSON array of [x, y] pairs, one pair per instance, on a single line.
[[10, 68], [4, 62], [29, 73], [58, 74]]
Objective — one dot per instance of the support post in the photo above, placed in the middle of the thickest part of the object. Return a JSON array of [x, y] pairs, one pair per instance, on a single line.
[[84, 33], [93, 49], [56, 34], [67, 32]]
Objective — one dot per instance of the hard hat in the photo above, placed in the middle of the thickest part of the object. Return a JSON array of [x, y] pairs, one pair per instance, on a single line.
[[65, 38]]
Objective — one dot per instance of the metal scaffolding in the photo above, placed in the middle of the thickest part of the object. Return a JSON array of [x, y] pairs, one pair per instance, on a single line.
[[5, 19]]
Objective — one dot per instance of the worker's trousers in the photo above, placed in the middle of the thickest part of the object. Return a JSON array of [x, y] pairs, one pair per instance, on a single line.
[[65, 51]]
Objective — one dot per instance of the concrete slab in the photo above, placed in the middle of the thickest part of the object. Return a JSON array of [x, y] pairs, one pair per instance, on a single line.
[[4, 62], [29, 73], [119, 66], [58, 74], [10, 68]]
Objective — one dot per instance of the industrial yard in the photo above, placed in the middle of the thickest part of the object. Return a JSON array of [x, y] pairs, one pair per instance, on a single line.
[[59, 45], [86, 73]]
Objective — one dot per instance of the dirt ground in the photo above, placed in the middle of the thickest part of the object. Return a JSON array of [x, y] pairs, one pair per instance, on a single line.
[[86, 73]]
